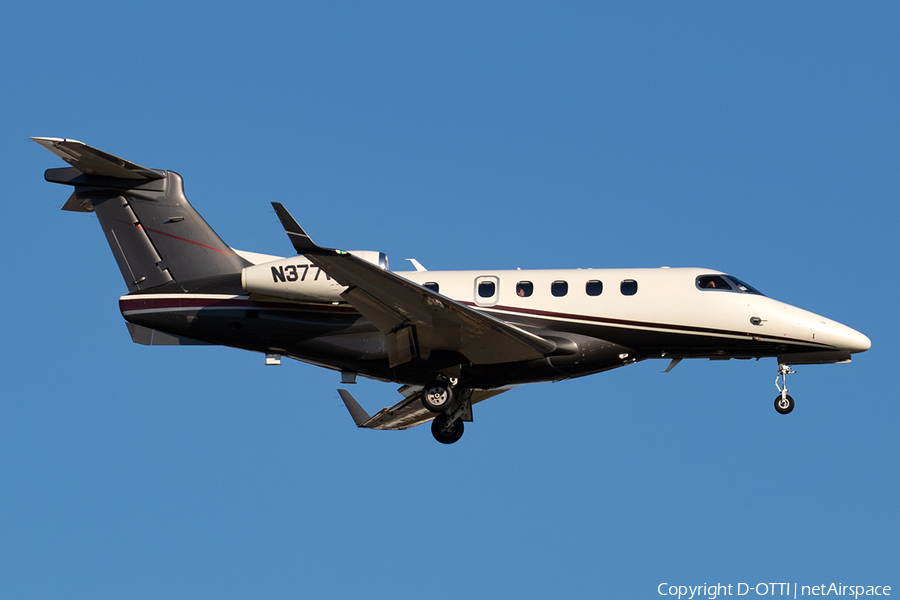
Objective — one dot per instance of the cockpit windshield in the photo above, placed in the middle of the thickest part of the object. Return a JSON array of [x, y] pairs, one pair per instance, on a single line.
[[726, 283], [712, 282], [745, 287]]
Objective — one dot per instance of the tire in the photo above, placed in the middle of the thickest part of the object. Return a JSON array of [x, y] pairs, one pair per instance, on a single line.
[[437, 396], [786, 407], [444, 436]]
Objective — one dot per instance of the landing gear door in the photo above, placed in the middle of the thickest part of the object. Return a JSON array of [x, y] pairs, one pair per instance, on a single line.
[[487, 290]]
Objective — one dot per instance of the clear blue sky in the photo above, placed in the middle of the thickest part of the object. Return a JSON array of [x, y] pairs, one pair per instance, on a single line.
[[761, 139]]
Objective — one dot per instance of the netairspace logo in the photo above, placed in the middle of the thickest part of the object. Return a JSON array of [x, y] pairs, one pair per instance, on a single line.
[[713, 591]]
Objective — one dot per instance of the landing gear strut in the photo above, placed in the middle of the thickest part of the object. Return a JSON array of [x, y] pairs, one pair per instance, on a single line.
[[783, 403]]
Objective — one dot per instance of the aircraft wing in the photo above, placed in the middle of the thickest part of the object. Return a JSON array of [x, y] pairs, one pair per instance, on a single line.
[[407, 413], [415, 320]]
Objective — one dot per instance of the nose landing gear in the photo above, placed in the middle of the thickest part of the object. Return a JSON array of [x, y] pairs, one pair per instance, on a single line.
[[783, 403]]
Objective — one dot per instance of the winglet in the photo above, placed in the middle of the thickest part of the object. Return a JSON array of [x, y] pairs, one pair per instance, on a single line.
[[672, 365], [360, 416], [299, 238]]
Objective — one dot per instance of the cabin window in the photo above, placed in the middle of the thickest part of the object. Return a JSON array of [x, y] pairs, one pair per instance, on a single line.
[[594, 287], [524, 289], [712, 282], [559, 288], [487, 290], [433, 287], [628, 287]]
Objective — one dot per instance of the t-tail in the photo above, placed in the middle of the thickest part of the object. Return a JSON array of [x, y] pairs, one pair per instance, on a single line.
[[153, 231]]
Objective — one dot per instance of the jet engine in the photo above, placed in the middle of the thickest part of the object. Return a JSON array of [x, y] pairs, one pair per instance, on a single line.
[[297, 278]]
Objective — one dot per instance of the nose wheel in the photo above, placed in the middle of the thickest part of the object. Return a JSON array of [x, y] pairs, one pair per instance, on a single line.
[[783, 402], [784, 405]]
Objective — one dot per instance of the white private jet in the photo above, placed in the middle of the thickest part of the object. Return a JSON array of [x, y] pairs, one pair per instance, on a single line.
[[451, 338]]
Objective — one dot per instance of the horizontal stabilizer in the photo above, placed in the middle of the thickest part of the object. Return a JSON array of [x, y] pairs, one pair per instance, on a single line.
[[92, 161]]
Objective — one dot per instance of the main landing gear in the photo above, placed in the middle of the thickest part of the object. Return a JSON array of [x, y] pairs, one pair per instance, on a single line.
[[437, 395], [783, 403], [445, 430], [452, 407]]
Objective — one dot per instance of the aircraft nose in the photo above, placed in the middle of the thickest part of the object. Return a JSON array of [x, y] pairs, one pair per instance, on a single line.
[[837, 335], [859, 342], [852, 340]]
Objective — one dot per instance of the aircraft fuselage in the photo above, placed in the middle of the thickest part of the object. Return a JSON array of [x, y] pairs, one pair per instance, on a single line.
[[599, 318]]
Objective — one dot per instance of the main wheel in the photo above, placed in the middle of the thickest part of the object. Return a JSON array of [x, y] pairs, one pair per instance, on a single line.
[[444, 434], [437, 396], [784, 405]]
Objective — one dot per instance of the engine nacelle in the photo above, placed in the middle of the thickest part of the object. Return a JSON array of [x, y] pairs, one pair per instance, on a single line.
[[378, 259], [296, 278]]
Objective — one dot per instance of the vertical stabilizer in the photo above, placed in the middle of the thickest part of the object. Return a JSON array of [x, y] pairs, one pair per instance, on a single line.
[[153, 231]]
